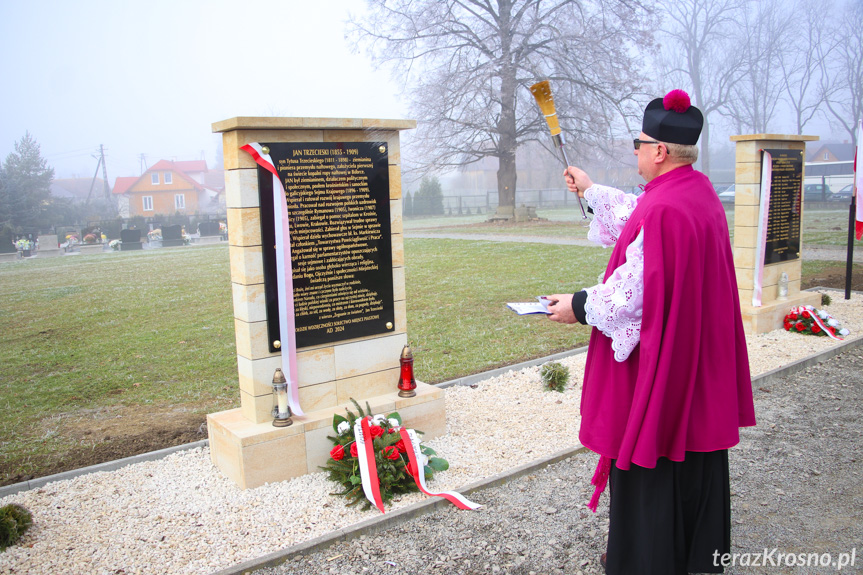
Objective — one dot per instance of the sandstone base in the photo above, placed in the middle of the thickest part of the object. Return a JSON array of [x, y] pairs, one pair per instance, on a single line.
[[769, 316], [252, 454]]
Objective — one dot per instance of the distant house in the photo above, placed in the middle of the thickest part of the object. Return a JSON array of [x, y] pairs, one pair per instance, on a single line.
[[168, 188], [832, 153]]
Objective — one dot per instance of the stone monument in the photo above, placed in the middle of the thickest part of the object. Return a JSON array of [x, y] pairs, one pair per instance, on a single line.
[[130, 239], [342, 187], [767, 239], [49, 247]]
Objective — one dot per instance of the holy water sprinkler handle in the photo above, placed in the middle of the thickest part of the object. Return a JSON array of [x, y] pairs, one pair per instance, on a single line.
[[542, 93], [560, 142]]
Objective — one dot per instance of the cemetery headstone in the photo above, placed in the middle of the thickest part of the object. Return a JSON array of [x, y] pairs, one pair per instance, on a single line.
[[172, 236], [130, 240]]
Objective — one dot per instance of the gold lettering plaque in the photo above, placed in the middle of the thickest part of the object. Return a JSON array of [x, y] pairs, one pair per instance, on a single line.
[[341, 252]]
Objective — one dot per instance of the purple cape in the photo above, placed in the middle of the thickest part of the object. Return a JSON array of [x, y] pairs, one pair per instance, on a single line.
[[686, 386]]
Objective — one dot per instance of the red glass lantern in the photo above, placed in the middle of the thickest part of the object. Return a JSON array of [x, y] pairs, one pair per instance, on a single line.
[[407, 383]]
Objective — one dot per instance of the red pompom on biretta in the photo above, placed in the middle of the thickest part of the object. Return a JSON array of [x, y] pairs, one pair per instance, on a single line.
[[673, 119], [677, 100]]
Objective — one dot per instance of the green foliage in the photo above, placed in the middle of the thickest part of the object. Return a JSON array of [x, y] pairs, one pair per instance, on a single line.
[[825, 300], [25, 187], [343, 468], [14, 521], [429, 199], [554, 376]]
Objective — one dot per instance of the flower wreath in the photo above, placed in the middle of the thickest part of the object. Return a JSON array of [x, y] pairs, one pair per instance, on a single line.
[[394, 470], [811, 321]]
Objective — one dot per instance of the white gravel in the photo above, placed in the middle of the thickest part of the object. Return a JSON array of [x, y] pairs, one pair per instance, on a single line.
[[180, 515]]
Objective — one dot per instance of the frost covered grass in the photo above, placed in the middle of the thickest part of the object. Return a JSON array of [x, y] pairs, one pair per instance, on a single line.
[[819, 228]]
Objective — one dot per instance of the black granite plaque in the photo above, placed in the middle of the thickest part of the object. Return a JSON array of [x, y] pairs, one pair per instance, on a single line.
[[783, 219], [338, 198]]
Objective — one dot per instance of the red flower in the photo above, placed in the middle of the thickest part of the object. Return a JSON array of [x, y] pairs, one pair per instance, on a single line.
[[792, 316], [831, 330], [806, 314], [800, 326], [391, 452], [787, 325], [815, 328], [337, 452], [400, 445], [391, 430], [376, 430], [354, 449]]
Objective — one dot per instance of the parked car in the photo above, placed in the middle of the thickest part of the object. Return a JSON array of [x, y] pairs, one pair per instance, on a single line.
[[814, 193], [843, 195], [727, 195]]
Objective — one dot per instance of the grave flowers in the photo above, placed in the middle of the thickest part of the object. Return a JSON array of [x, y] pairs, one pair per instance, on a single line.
[[812, 321], [395, 471], [24, 246]]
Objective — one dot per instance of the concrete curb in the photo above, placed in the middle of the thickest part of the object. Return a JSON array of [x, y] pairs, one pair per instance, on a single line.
[[107, 466], [394, 518]]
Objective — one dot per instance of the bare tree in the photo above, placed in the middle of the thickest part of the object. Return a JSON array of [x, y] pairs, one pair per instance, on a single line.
[[845, 100], [700, 51], [469, 64], [765, 27], [803, 58]]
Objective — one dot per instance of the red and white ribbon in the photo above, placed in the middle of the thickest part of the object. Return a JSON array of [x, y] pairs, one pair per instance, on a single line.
[[368, 466], [763, 212], [284, 277], [369, 469], [412, 446]]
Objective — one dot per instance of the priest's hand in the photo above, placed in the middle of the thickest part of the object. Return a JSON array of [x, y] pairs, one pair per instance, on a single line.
[[577, 180], [561, 309]]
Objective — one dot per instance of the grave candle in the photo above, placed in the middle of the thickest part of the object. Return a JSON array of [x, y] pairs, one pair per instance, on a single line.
[[281, 410]]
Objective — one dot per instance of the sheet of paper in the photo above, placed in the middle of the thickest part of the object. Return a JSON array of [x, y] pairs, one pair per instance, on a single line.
[[539, 306]]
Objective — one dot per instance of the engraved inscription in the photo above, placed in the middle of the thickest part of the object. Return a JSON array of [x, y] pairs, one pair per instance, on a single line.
[[341, 256], [784, 215]]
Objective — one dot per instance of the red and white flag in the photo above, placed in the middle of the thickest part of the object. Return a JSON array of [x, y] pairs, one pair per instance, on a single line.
[[858, 182]]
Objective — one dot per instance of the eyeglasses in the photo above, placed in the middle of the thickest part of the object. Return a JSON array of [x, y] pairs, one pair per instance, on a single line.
[[637, 143]]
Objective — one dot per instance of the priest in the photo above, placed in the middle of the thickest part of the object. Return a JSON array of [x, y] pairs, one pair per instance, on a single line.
[[667, 383]]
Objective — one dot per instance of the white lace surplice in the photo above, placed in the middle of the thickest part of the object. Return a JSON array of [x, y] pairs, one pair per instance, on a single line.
[[615, 306]]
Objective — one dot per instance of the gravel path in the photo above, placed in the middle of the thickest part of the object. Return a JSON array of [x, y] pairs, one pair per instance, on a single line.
[[795, 481], [796, 489]]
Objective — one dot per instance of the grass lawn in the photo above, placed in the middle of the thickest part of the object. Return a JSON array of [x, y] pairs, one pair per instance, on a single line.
[[820, 227]]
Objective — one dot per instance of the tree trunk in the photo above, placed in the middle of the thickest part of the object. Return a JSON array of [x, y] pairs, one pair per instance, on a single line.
[[705, 148]]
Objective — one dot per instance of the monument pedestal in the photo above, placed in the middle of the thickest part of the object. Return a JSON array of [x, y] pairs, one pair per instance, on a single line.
[[252, 454], [206, 240], [782, 232], [87, 249]]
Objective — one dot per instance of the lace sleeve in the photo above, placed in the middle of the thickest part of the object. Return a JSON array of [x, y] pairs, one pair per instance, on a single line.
[[611, 210], [615, 306]]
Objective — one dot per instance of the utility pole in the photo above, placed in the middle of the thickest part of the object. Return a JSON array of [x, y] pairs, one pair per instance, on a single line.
[[104, 173]]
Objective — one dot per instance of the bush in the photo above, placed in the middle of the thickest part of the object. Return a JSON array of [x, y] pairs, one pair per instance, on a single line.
[[554, 376], [14, 521]]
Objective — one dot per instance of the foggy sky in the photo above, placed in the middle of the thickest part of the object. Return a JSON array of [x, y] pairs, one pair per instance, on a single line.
[[151, 77]]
